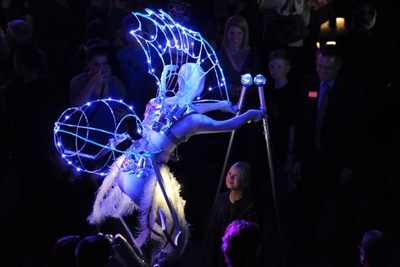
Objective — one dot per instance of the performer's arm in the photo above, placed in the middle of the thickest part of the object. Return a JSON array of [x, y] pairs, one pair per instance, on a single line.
[[224, 106], [202, 124]]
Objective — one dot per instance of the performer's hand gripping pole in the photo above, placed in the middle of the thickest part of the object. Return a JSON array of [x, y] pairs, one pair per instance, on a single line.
[[259, 81]]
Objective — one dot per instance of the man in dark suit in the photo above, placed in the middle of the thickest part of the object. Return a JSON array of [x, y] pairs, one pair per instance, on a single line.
[[329, 131]]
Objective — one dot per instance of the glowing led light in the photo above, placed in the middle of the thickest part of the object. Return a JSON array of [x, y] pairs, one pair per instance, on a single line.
[[246, 79], [259, 80]]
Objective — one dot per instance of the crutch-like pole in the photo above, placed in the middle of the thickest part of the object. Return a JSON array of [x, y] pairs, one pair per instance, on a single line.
[[246, 80], [259, 81]]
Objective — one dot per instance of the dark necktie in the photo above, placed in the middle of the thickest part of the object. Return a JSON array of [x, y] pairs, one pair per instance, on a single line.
[[321, 114]]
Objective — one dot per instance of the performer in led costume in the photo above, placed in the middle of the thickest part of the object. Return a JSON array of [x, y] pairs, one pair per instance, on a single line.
[[139, 177]]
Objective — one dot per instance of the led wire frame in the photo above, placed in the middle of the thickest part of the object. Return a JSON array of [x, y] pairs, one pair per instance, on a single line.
[[167, 46]]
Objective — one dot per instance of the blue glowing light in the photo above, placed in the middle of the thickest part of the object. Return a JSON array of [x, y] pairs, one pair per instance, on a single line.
[[75, 136], [173, 44]]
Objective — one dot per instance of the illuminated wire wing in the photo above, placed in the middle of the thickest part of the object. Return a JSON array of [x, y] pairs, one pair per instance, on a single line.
[[91, 147], [169, 45], [173, 52]]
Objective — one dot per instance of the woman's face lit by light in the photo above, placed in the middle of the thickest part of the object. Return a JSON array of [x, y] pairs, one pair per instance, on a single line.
[[235, 36]]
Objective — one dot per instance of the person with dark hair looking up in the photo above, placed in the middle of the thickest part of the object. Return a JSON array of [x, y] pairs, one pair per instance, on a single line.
[[375, 249], [241, 244]]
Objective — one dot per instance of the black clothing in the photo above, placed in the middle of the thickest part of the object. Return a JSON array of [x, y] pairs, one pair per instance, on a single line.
[[281, 111], [222, 215], [342, 134]]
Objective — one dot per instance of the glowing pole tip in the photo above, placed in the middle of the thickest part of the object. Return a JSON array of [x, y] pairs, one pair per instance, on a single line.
[[259, 80], [246, 80]]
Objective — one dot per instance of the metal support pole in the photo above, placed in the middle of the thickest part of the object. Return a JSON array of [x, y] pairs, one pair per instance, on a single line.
[[260, 80], [246, 80]]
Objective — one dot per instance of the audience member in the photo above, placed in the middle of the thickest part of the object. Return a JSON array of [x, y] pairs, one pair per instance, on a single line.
[[237, 58], [329, 130], [18, 32], [30, 106], [362, 62], [97, 83], [375, 249], [280, 98], [234, 204], [241, 244], [63, 252], [15, 9], [94, 251], [360, 46]]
